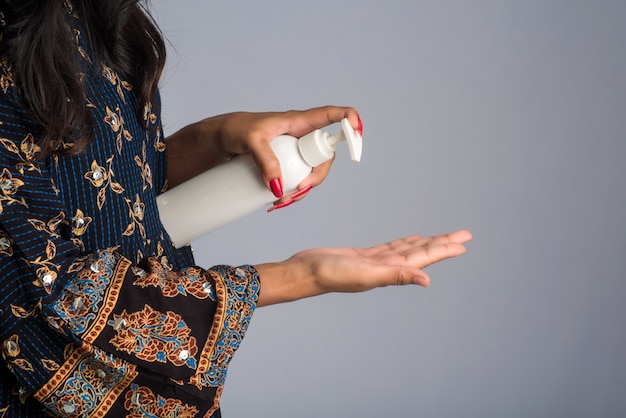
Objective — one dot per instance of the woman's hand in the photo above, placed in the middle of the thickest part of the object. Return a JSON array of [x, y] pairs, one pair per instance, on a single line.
[[251, 133], [325, 270], [215, 139]]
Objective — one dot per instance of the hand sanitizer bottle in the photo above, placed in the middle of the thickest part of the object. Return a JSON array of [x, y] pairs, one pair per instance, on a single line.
[[235, 189]]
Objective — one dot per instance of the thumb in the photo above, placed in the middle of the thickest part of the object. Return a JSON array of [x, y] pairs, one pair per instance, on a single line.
[[269, 167], [395, 275], [412, 276]]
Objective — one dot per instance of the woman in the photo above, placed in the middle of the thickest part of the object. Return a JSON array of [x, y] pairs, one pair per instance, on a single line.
[[99, 314]]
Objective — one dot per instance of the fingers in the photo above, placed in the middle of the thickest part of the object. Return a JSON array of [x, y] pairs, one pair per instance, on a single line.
[[305, 121], [460, 236], [418, 251], [318, 174], [290, 200], [269, 166], [314, 179], [430, 254]]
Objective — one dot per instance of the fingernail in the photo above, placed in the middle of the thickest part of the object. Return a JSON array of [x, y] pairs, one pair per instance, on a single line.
[[281, 205], [277, 187], [360, 127], [301, 192]]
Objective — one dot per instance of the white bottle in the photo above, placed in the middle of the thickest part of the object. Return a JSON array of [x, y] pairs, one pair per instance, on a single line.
[[234, 189]]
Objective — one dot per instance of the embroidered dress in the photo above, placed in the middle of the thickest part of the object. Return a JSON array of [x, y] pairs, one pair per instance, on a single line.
[[99, 314]]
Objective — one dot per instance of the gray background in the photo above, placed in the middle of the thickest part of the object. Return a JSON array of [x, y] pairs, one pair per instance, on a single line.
[[504, 117]]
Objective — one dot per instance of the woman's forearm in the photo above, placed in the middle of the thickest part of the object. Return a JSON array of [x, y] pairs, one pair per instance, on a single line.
[[193, 150], [284, 281]]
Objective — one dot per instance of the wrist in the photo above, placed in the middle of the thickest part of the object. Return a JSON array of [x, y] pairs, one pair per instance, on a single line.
[[285, 281]]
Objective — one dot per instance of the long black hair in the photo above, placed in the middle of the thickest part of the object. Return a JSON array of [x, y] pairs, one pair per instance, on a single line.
[[39, 47]]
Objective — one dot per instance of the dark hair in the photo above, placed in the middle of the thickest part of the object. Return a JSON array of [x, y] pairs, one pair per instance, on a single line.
[[39, 45]]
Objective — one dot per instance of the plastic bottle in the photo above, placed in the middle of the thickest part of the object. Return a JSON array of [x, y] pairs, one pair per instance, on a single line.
[[235, 189]]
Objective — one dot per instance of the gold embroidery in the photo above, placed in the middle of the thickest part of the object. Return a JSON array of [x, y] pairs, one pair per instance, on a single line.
[[49, 227], [116, 122], [141, 402], [155, 336], [47, 271], [216, 330], [8, 187], [50, 364], [87, 383], [146, 172], [6, 244], [101, 178], [135, 211], [25, 152], [115, 80], [21, 312], [188, 281]]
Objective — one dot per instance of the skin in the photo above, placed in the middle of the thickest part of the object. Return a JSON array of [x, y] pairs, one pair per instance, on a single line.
[[205, 144]]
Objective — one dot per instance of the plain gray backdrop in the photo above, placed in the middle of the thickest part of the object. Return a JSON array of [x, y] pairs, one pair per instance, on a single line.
[[504, 117]]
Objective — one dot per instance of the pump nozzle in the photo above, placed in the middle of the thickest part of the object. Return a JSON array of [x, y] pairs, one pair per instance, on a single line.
[[353, 138], [319, 147]]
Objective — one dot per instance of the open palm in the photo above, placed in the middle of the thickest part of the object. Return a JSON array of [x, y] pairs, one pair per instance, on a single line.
[[398, 262]]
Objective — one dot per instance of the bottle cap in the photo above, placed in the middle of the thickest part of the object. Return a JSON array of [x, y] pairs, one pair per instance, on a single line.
[[318, 147]]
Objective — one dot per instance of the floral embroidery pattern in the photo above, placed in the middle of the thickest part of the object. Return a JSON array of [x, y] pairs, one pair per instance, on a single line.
[[135, 211], [189, 281], [141, 402], [49, 227], [160, 255], [85, 382], [80, 222], [11, 347], [103, 178], [146, 172], [76, 32], [115, 80], [6, 77], [20, 312], [240, 304], [50, 364], [26, 153], [151, 118], [47, 270], [6, 244], [11, 350], [116, 122], [8, 187], [79, 303], [154, 336], [148, 115]]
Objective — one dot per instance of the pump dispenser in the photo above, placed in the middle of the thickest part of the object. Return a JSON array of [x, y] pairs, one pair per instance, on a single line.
[[235, 189]]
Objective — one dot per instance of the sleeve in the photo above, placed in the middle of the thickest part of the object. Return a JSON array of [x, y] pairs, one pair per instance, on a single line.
[[78, 329]]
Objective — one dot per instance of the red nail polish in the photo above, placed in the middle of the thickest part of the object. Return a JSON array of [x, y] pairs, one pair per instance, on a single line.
[[281, 205], [360, 127], [301, 192], [277, 187]]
